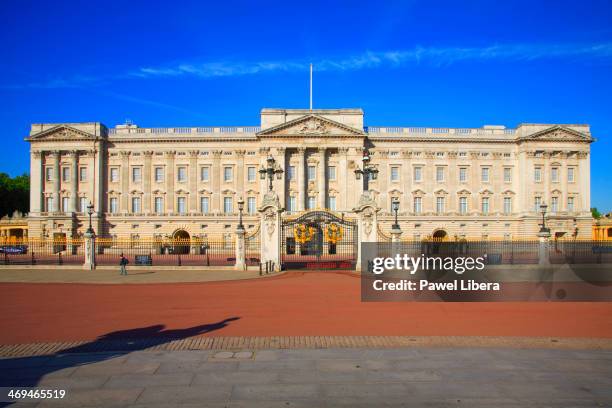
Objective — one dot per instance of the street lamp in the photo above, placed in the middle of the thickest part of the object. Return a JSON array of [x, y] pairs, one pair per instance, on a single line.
[[90, 211], [240, 208], [367, 171], [270, 170], [543, 229], [395, 207]]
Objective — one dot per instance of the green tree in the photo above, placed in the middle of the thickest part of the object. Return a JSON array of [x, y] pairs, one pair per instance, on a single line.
[[595, 213], [14, 194]]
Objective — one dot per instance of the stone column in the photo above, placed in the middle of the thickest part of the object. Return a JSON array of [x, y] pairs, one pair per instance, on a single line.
[[146, 205], [240, 172], [281, 185], [90, 252], [367, 224], [55, 155], [125, 181], [240, 250], [37, 181], [301, 179], [270, 239], [343, 185], [543, 248], [170, 181], [216, 181], [193, 181], [321, 178], [74, 185]]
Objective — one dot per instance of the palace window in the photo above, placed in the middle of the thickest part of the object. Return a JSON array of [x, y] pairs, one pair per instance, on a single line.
[[462, 174], [251, 205], [311, 203], [49, 204], [228, 174], [113, 205], [136, 174], [83, 204], [439, 174], [554, 174], [394, 173], [159, 174], [181, 205], [65, 204], [292, 204], [507, 205], [485, 174], [331, 173], [114, 174], [331, 203], [251, 174], [537, 174], [83, 174], [418, 174], [507, 174], [537, 202], [204, 173], [136, 205], [463, 205], [417, 205], [49, 173], [204, 205], [291, 173], [312, 171], [65, 174], [159, 205], [570, 174], [570, 204], [485, 205], [440, 205], [227, 205], [554, 204], [181, 174]]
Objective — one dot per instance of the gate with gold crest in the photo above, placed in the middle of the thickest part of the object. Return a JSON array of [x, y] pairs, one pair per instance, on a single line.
[[319, 240]]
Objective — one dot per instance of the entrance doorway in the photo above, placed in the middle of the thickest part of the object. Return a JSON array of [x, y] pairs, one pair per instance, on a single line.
[[440, 235], [181, 242]]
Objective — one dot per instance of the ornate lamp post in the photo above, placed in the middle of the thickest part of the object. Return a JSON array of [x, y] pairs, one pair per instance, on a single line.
[[270, 170], [90, 211], [395, 207], [240, 209], [543, 229], [368, 171]]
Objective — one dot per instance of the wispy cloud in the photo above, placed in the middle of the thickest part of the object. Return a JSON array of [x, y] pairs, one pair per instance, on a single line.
[[434, 56]]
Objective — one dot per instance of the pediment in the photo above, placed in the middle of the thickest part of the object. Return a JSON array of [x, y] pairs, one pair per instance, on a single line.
[[464, 192], [63, 132], [312, 125], [558, 133]]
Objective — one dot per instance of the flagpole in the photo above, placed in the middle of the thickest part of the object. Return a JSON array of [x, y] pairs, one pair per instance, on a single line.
[[310, 86]]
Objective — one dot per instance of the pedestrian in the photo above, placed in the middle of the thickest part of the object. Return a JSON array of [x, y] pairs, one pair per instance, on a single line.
[[122, 264]]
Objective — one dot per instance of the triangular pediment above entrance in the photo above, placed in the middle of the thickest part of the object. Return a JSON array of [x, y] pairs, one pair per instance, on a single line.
[[62, 132], [558, 133], [312, 125]]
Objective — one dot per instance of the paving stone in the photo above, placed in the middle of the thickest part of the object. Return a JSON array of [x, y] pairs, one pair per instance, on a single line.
[[79, 382], [93, 398], [188, 394], [283, 364], [236, 377], [148, 380], [223, 354], [113, 369], [276, 392], [243, 355]]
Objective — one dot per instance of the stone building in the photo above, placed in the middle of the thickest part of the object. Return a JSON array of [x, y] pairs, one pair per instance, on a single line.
[[185, 182]]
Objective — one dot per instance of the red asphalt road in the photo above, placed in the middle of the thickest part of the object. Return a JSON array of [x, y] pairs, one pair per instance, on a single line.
[[293, 304]]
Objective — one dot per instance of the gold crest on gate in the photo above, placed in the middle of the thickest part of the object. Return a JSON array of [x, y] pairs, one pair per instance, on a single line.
[[333, 233], [303, 233]]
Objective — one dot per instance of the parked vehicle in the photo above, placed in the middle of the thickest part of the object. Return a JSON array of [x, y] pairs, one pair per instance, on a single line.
[[13, 249]]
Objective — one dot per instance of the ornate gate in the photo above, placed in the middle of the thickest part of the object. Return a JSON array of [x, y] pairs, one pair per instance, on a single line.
[[319, 240]]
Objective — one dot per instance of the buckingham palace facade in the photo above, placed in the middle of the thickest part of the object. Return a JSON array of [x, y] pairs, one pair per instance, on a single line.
[[486, 182]]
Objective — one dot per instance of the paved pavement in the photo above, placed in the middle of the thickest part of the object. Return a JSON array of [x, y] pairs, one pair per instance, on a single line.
[[406, 377]]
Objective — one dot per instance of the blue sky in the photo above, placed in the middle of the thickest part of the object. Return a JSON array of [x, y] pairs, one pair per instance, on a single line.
[[412, 63]]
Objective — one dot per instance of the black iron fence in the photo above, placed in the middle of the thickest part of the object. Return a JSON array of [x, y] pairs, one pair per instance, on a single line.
[[580, 252], [176, 252], [253, 248], [42, 252]]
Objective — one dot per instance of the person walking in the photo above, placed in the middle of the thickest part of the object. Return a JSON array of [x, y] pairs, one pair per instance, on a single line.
[[122, 264]]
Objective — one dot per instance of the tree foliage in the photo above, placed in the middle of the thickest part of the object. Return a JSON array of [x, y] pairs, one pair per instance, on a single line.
[[14, 194], [595, 213]]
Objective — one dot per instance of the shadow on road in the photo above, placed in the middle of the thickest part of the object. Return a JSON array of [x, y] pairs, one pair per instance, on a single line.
[[29, 371]]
